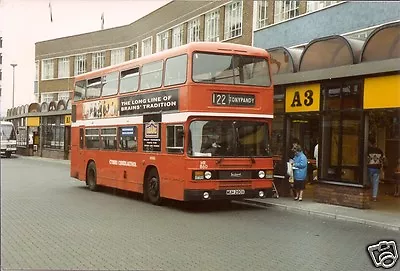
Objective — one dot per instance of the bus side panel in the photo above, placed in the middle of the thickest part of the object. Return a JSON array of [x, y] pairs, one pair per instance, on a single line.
[[171, 170], [75, 168]]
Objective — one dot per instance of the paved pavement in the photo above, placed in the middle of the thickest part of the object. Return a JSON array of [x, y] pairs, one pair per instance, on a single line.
[[50, 221], [376, 218]]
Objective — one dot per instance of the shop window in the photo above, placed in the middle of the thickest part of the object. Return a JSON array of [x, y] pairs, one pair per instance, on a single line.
[[92, 139], [109, 138], [21, 136], [342, 97], [175, 138], [128, 138], [53, 136], [341, 147]]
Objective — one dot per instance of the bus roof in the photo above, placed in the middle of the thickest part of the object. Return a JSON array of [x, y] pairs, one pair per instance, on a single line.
[[187, 48]]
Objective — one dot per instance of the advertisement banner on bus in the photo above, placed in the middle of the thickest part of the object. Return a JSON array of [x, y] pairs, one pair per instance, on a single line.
[[149, 102], [107, 108]]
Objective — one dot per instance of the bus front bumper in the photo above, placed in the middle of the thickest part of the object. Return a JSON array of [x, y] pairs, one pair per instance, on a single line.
[[229, 194], [9, 150]]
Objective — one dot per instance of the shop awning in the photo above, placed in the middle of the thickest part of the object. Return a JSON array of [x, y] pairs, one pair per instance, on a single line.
[[383, 43], [329, 52], [284, 60]]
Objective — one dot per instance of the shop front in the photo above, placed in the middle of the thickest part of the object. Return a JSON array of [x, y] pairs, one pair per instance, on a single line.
[[43, 129], [338, 96]]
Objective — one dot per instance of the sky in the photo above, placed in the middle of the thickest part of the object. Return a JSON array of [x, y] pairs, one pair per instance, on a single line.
[[25, 22]]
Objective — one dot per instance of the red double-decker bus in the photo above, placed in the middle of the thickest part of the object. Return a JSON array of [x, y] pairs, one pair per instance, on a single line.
[[188, 123]]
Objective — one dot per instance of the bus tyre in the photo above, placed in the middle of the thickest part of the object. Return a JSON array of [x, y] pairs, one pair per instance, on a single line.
[[8, 154], [91, 176], [152, 192]]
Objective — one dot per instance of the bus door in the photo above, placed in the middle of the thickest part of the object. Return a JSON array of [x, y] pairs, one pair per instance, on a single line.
[[81, 157]]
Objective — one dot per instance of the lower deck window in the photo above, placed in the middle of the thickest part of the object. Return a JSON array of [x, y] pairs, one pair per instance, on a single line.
[[92, 139], [128, 138]]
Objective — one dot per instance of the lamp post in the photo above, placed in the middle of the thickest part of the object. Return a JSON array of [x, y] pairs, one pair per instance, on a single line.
[[13, 65]]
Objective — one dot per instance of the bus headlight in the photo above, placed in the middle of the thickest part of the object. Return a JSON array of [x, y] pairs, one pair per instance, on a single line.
[[261, 174], [207, 175], [261, 194], [206, 195]]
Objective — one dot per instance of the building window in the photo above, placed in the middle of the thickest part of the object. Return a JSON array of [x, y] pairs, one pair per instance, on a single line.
[[37, 70], [147, 46], [211, 32], [1, 58], [175, 138], [193, 31], [117, 56], [109, 138], [128, 138], [63, 67], [1, 42], [177, 36], [63, 96], [80, 64], [233, 20], [316, 5], [262, 14], [285, 10], [47, 69], [162, 41], [133, 51], [49, 97], [98, 60]]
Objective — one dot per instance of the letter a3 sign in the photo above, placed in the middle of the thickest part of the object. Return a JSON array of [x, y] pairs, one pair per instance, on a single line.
[[303, 98]]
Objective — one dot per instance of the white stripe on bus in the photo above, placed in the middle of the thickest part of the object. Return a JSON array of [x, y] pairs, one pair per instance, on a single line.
[[166, 118]]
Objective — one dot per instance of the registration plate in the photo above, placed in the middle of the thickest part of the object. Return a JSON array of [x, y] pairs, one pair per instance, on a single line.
[[233, 192]]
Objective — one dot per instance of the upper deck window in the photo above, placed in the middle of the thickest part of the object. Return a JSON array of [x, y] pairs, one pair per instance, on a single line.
[[175, 70], [80, 89], [129, 80], [93, 89], [110, 84], [151, 75], [230, 69]]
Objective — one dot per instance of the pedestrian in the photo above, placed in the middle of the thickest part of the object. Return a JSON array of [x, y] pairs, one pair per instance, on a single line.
[[375, 161], [299, 171], [315, 171], [397, 179]]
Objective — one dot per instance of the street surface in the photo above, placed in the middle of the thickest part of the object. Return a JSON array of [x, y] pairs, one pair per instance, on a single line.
[[50, 221]]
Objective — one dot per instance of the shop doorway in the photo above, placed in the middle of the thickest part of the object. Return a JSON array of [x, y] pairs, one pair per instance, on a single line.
[[304, 128], [384, 127]]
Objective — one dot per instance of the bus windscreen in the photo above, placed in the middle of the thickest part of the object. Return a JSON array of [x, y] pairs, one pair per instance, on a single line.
[[7, 132], [230, 69], [226, 138]]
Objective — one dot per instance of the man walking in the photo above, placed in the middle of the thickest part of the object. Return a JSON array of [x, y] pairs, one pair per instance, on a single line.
[[375, 161]]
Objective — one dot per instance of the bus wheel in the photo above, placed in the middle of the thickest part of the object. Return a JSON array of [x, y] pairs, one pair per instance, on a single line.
[[153, 187], [91, 176], [8, 154]]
